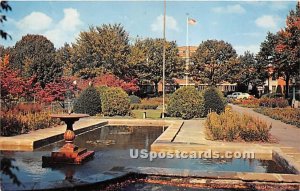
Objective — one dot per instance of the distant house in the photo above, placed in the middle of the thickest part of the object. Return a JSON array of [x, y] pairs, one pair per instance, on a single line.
[[148, 88], [182, 51]]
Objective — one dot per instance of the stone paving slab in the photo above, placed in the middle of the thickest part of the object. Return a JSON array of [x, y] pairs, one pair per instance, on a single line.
[[245, 176]]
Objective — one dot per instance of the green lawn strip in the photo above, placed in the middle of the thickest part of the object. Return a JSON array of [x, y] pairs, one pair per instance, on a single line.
[[150, 113]]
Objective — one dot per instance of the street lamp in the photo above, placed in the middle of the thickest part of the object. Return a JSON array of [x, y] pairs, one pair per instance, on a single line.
[[294, 84], [164, 58]]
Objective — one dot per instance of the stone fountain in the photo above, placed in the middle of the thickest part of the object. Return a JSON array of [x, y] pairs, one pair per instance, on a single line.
[[69, 153]]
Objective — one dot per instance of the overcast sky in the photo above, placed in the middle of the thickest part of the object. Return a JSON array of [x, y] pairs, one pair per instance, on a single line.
[[243, 24]]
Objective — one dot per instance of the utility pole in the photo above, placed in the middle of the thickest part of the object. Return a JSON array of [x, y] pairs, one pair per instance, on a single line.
[[187, 52], [164, 59]]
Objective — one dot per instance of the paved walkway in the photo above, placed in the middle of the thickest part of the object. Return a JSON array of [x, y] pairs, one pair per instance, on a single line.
[[287, 135], [193, 131]]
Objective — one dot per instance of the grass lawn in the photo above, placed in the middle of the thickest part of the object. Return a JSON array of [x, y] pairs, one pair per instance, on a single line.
[[150, 113]]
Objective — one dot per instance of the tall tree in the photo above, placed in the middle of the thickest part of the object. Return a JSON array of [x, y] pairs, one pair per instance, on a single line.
[[63, 57], [288, 48], [145, 62], [35, 56], [250, 70], [105, 47], [4, 6], [214, 61], [266, 57]]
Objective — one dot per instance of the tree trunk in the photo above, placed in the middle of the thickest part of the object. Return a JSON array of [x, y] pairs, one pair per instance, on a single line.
[[156, 88], [287, 83]]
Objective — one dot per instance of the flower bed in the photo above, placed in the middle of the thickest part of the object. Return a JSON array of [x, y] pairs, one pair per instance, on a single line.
[[263, 102], [286, 115], [24, 118], [250, 103], [232, 126]]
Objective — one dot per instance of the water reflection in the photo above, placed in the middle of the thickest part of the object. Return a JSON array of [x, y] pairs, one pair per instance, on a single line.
[[112, 144]]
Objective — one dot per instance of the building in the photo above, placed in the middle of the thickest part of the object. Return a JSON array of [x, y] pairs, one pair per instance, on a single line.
[[182, 51]]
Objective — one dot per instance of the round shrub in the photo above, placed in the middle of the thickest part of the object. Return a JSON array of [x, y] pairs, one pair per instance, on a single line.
[[186, 102], [115, 101], [134, 99], [88, 102], [214, 100]]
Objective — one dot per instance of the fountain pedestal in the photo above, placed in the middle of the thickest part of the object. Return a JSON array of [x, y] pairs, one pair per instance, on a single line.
[[69, 153]]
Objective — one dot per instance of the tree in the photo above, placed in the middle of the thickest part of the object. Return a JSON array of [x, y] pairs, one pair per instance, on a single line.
[[4, 6], [266, 57], [63, 57], [34, 55], [145, 61], [250, 72], [105, 47], [213, 62], [108, 80], [12, 85], [288, 48], [53, 91]]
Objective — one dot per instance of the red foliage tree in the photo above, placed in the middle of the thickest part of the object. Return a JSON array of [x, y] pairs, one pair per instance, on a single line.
[[109, 80], [12, 85], [53, 91], [288, 48]]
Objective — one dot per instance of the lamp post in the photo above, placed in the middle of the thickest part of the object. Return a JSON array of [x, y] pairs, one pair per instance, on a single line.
[[187, 53], [164, 59], [294, 92]]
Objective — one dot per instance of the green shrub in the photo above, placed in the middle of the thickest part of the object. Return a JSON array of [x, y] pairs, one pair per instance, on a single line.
[[231, 126], [115, 101], [143, 106], [213, 100], [88, 102], [134, 99], [101, 90], [186, 102]]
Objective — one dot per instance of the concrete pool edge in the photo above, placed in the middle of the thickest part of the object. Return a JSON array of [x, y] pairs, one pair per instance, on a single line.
[[289, 157], [118, 174], [42, 137]]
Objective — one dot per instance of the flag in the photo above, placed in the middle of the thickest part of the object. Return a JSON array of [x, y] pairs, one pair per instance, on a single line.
[[192, 21]]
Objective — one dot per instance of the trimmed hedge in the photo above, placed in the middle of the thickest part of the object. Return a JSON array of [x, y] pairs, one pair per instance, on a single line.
[[186, 102], [134, 99], [115, 101], [88, 102], [213, 100]]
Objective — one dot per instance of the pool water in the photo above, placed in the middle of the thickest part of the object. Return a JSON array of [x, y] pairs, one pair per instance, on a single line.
[[111, 145]]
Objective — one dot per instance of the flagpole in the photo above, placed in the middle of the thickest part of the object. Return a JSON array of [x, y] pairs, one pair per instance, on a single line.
[[164, 59], [187, 50]]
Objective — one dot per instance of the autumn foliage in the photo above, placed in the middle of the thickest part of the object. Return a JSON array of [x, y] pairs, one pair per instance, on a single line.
[[108, 80]]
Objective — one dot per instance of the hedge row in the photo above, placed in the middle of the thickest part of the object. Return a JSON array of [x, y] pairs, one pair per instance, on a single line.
[[187, 102], [108, 100]]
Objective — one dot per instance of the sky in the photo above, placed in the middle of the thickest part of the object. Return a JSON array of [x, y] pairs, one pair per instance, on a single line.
[[244, 24]]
